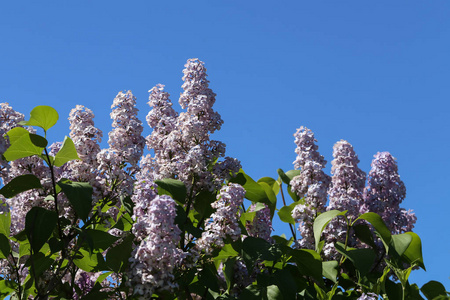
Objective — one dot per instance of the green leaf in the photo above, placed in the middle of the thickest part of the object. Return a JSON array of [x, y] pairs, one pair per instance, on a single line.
[[39, 225], [127, 204], [117, 257], [20, 184], [5, 247], [272, 204], [5, 224], [274, 185], [228, 271], [172, 187], [364, 233], [413, 253], [258, 248], [67, 153], [362, 259], [285, 213], [125, 223], [433, 289], [283, 176], [202, 203], [378, 223], [89, 262], [79, 195], [401, 242], [101, 239], [7, 287], [42, 116], [329, 270], [322, 221], [274, 293], [308, 262], [22, 145]]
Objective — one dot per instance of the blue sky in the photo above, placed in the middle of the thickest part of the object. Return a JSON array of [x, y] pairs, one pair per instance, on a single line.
[[373, 73]]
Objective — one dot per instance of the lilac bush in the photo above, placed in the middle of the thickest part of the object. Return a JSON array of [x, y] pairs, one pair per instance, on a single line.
[[78, 221]]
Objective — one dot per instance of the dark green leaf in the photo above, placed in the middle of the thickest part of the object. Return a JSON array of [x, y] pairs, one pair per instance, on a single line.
[[67, 153], [124, 223], [79, 195], [329, 269], [5, 247], [118, 256], [308, 262], [202, 203], [22, 146], [42, 116], [39, 225], [433, 289], [283, 176], [127, 204], [20, 184], [228, 271], [38, 141], [258, 248], [362, 259], [322, 221], [172, 187], [378, 223], [364, 233], [101, 239]]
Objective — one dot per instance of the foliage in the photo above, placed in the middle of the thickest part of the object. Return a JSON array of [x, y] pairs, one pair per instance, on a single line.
[[80, 223]]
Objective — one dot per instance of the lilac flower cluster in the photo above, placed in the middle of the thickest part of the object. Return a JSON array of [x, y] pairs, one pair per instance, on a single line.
[[345, 193], [181, 143], [9, 119], [369, 296], [312, 184], [261, 226], [225, 220], [384, 193], [119, 162], [153, 261]]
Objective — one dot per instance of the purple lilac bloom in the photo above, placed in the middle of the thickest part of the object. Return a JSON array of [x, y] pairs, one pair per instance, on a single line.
[[181, 143], [369, 296], [384, 193], [261, 226], [156, 257], [312, 184], [345, 193], [9, 119], [86, 138], [225, 220], [126, 144]]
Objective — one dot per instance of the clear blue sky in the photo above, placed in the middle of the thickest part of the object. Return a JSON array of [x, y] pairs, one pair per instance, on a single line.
[[375, 73]]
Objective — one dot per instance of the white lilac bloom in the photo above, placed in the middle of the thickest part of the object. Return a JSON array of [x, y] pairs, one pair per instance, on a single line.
[[155, 258], [312, 184], [261, 227], [384, 193], [225, 220], [345, 193]]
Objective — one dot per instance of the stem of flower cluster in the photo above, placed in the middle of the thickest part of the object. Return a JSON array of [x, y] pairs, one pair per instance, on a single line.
[[284, 203]]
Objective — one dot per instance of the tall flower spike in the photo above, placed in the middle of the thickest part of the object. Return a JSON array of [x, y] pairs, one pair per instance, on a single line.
[[345, 193], [126, 144], [163, 119], [154, 260], [225, 220], [384, 193], [312, 184]]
